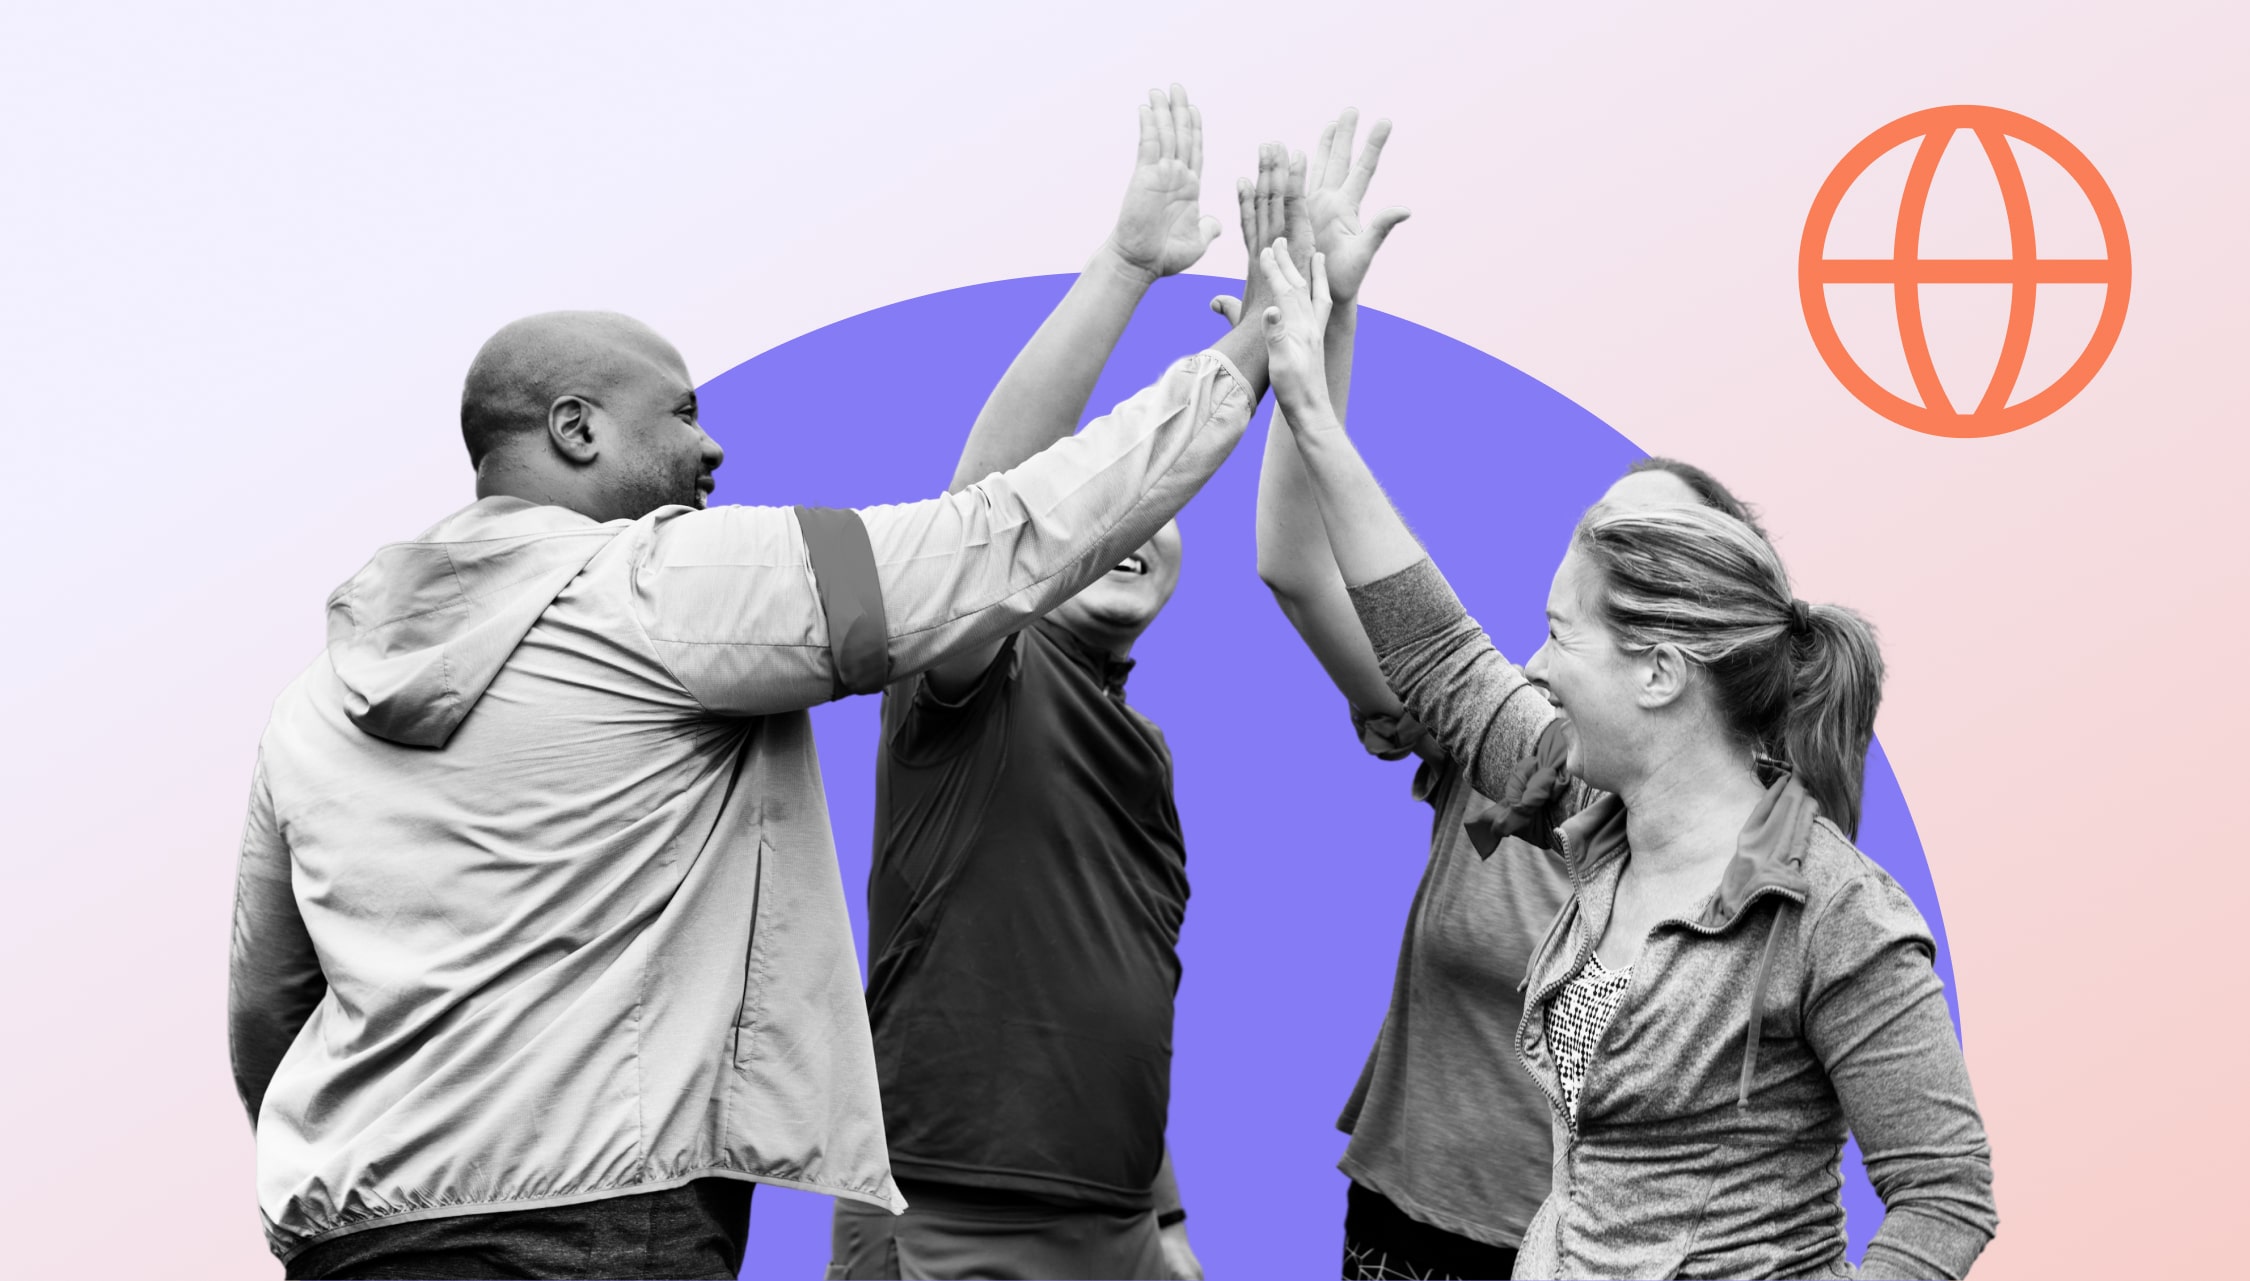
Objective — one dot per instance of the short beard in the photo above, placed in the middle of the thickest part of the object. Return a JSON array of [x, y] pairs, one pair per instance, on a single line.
[[648, 490]]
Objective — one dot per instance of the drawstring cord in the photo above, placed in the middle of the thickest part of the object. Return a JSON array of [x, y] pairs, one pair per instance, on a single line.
[[1758, 1006]]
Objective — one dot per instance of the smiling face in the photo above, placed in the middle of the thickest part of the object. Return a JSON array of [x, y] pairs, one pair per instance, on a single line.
[[1595, 684], [1580, 655], [1111, 612], [657, 453]]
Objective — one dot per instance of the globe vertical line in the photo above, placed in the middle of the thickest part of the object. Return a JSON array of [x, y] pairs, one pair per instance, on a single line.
[[1906, 248], [2023, 293]]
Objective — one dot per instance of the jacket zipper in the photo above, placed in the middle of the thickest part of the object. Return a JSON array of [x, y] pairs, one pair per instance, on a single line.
[[1578, 962]]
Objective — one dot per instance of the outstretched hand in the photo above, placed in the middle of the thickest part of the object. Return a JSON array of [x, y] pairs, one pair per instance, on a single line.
[[1161, 229], [1338, 185], [1272, 210], [1296, 319]]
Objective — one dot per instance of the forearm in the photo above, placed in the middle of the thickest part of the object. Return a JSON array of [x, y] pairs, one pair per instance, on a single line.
[[1293, 554], [1164, 1194], [1039, 400], [1295, 562], [1366, 535]]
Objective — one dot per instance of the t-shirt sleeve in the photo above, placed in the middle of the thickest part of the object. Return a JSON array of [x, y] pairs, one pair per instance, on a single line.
[[921, 726], [1449, 675], [1388, 737]]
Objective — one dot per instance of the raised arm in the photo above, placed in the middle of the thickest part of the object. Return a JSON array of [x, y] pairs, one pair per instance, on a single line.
[[757, 610], [1294, 559], [273, 975], [1160, 230], [1433, 656]]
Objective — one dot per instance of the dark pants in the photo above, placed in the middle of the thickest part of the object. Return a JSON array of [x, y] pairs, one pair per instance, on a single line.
[[1380, 1242], [958, 1232], [696, 1231]]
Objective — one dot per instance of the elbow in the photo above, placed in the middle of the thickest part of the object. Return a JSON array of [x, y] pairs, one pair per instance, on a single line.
[[1277, 578]]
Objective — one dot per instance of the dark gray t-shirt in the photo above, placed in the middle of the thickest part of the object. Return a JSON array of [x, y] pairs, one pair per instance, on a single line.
[[1024, 908], [1445, 1121]]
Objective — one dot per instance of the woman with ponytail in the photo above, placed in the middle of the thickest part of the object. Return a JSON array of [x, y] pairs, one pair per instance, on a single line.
[[1730, 986]]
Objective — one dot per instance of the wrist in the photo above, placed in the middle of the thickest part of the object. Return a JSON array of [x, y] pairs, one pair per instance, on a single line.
[[1310, 415], [1114, 261]]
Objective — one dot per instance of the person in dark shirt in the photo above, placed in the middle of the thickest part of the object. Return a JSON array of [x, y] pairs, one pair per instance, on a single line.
[[1029, 876]]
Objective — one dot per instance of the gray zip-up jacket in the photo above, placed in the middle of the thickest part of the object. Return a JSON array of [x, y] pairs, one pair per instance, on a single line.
[[1797, 1003], [538, 901]]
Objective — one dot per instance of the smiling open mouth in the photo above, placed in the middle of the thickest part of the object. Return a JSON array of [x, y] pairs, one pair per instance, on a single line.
[[1131, 565]]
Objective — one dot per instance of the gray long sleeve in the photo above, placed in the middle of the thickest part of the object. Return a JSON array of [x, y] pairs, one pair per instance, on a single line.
[[1449, 674], [1875, 1014]]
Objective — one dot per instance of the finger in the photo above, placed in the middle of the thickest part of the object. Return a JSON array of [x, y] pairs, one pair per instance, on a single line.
[[1195, 144], [1269, 193], [1327, 144], [1229, 307], [1380, 225], [1296, 220], [1246, 212], [1149, 149], [1370, 156], [1286, 273], [1339, 163], [1320, 284], [1167, 137], [1183, 123], [1273, 270]]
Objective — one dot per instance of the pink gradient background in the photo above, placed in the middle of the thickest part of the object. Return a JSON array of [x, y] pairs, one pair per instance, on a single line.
[[250, 251]]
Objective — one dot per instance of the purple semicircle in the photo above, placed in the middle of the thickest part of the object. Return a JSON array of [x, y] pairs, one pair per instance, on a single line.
[[1303, 851]]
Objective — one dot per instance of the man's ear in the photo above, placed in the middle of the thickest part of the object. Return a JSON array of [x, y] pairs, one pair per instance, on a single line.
[[570, 428], [1663, 673]]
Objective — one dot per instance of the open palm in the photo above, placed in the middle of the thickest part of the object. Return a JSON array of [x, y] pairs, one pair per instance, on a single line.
[[1162, 229], [1338, 184]]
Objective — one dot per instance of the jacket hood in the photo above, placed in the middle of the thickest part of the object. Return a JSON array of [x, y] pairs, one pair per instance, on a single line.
[[418, 634], [1770, 854]]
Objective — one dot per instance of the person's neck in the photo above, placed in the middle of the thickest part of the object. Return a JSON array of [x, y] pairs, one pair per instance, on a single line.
[[1689, 810], [497, 479]]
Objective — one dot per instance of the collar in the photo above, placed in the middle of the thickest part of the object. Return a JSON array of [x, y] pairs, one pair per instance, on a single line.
[[1108, 670], [1769, 855]]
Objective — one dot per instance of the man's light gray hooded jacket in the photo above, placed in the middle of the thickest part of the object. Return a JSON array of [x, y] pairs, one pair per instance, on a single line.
[[538, 901]]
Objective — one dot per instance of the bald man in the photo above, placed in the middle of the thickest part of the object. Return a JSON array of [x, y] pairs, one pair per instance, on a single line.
[[540, 952]]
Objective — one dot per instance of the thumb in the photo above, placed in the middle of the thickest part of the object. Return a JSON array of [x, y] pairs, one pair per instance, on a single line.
[[1228, 306], [1273, 320], [1209, 227], [1380, 225]]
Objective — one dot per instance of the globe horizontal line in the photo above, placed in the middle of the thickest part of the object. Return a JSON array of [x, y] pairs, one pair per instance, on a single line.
[[1966, 271]]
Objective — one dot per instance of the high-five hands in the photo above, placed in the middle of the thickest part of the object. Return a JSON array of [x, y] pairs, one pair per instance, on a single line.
[[1271, 209], [1323, 216], [1338, 185], [1296, 317], [1161, 229]]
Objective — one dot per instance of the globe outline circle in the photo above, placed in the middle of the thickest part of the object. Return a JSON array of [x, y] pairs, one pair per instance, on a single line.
[[1906, 270]]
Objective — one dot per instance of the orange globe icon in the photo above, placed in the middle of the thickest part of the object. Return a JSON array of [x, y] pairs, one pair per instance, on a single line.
[[1906, 271]]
